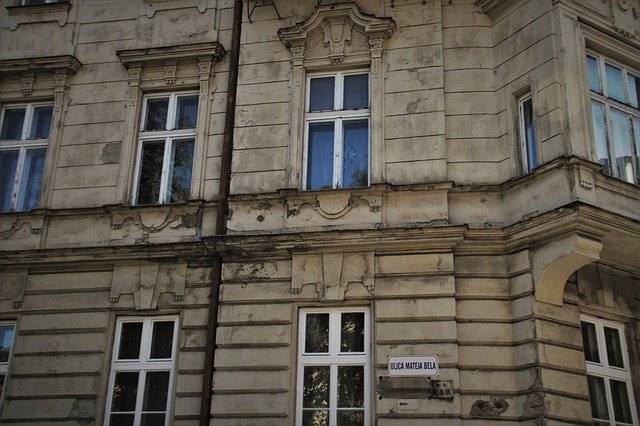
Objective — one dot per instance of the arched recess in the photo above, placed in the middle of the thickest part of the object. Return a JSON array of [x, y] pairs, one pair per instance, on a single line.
[[554, 263]]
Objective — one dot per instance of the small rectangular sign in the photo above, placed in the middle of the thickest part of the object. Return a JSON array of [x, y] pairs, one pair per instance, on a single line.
[[413, 366]]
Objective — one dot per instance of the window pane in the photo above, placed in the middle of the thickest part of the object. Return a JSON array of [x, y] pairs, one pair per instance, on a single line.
[[351, 386], [8, 164], [150, 172], [32, 178], [155, 391], [187, 112], [162, 340], [121, 420], [352, 332], [6, 340], [600, 135], [597, 393], [316, 387], [356, 91], [590, 342], [593, 74], [620, 396], [41, 123], [350, 418], [152, 420], [634, 90], [355, 169], [180, 171], [315, 418], [12, 124], [529, 135], [615, 84], [156, 118], [321, 94], [614, 349], [621, 146], [125, 390], [320, 156], [317, 333], [130, 340]]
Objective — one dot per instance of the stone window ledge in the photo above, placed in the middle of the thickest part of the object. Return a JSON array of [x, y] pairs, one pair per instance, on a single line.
[[59, 6]]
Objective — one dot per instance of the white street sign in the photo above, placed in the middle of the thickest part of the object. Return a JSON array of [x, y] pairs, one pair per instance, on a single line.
[[413, 366]]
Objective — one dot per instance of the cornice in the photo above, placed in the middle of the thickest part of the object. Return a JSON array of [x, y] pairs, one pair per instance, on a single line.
[[493, 7], [213, 51], [65, 63]]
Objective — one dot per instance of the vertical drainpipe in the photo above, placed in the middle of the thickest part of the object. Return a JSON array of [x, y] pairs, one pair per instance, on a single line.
[[222, 213]]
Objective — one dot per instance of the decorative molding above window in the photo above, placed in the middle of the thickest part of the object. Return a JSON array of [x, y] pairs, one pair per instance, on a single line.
[[57, 64], [214, 51], [337, 36]]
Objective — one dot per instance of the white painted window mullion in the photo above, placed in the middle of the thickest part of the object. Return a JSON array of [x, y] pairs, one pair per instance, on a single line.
[[17, 180], [338, 101], [337, 153], [139, 397], [164, 178]]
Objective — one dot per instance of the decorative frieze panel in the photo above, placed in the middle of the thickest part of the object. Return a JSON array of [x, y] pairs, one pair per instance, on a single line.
[[331, 273], [147, 282], [154, 224]]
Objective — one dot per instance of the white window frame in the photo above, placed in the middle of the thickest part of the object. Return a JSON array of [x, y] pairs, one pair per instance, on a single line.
[[169, 135], [337, 116], [22, 145], [24, 2], [609, 103], [524, 149], [604, 370], [4, 366], [334, 358], [143, 364]]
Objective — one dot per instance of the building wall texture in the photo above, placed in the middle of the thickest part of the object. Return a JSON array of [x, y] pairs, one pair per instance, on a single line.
[[453, 247]]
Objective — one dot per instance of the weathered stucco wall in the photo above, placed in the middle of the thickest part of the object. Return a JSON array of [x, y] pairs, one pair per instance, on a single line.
[[452, 227], [65, 325]]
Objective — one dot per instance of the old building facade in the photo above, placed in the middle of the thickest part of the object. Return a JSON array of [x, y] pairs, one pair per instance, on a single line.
[[235, 217]]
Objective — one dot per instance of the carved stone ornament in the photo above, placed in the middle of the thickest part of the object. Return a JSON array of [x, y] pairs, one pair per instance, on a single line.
[[170, 71], [147, 282], [13, 286], [26, 84], [335, 32], [333, 205], [331, 273]]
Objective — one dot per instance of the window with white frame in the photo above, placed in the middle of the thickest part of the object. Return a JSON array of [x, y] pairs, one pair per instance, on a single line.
[[6, 343], [527, 133], [142, 372], [337, 130], [615, 116], [333, 367], [24, 137], [608, 372], [165, 151]]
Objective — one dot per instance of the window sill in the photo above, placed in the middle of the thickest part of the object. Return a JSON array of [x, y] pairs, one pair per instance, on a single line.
[[39, 8]]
